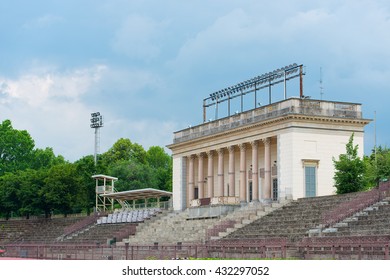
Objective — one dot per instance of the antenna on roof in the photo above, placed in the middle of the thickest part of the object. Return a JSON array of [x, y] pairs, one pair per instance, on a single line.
[[321, 87]]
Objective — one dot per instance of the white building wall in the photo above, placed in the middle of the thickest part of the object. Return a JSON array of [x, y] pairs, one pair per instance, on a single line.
[[296, 145], [179, 187], [285, 163]]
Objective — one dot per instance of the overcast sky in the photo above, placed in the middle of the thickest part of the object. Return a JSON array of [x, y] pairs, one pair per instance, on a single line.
[[147, 65]]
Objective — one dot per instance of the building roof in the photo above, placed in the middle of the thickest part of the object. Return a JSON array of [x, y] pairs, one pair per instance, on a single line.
[[138, 194], [291, 108], [101, 176]]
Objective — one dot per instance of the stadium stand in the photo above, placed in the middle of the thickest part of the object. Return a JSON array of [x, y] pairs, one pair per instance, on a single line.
[[45, 230], [129, 216], [308, 228], [292, 221]]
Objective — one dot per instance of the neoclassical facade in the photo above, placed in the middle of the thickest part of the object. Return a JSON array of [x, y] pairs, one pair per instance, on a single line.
[[284, 149]]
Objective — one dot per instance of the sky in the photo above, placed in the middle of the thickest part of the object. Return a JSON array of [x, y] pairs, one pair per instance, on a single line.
[[146, 66]]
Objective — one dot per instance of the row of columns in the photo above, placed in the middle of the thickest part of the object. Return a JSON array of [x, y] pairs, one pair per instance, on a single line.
[[219, 190]]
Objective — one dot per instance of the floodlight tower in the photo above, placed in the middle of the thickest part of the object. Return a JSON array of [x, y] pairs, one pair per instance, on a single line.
[[96, 123]]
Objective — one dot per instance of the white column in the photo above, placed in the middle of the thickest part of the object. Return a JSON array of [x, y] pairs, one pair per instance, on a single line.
[[242, 173], [191, 179], [267, 169], [232, 186], [255, 170], [180, 182], [210, 174], [220, 173], [200, 176]]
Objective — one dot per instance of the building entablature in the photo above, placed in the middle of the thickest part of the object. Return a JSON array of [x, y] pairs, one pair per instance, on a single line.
[[293, 109]]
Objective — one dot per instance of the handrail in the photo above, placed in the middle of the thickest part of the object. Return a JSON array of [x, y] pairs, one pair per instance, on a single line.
[[357, 204], [89, 220]]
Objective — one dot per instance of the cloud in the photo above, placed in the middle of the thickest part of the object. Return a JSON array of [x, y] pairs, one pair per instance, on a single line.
[[54, 107], [146, 131], [44, 21], [43, 89], [159, 60], [341, 38], [48, 105], [139, 38]]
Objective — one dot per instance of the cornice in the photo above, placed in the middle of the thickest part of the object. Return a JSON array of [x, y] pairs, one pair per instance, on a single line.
[[277, 120]]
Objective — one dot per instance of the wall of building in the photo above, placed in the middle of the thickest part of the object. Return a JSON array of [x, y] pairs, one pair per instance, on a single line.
[[179, 187], [315, 146]]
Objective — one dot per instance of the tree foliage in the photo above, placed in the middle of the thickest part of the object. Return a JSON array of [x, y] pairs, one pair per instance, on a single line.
[[35, 181], [125, 150], [16, 148], [350, 168]]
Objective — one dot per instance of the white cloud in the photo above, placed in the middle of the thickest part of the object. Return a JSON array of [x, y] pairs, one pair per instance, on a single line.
[[43, 89], [48, 106], [342, 37], [43, 21], [51, 106], [147, 132], [139, 37]]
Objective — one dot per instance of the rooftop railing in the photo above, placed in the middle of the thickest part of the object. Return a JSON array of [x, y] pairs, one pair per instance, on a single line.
[[290, 106]]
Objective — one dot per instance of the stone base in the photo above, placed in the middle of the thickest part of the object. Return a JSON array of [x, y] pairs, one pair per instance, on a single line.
[[211, 211], [266, 201]]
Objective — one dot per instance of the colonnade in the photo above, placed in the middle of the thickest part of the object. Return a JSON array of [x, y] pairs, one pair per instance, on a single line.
[[216, 188]]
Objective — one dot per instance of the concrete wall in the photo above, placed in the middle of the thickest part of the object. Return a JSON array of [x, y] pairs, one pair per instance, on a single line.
[[316, 147]]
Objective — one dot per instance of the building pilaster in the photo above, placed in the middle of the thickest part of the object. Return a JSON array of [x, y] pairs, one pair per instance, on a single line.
[[242, 173]]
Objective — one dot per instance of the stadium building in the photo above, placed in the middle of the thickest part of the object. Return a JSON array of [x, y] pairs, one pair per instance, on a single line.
[[265, 153], [256, 183]]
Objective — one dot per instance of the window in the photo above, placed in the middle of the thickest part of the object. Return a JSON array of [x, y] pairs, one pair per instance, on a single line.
[[310, 181], [250, 191], [310, 176], [196, 193], [275, 189]]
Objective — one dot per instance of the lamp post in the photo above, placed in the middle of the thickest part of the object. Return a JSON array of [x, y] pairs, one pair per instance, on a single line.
[[96, 123]]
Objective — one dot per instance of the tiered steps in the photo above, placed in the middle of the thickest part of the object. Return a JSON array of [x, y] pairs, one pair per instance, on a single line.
[[178, 227], [292, 221], [172, 228], [242, 217], [115, 226], [40, 230], [99, 234], [373, 220]]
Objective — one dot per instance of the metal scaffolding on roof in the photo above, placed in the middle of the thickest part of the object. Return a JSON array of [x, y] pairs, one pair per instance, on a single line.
[[253, 85]]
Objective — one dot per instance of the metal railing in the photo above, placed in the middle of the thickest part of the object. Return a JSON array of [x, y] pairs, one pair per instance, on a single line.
[[353, 247], [221, 226], [143, 252], [285, 107], [89, 220], [345, 247], [355, 205]]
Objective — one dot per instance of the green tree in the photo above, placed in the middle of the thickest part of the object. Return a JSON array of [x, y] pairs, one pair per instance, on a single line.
[[60, 189], [9, 201], [45, 159], [161, 164], [125, 150], [85, 168], [29, 191], [132, 175], [350, 169], [370, 173], [16, 147], [157, 157], [381, 161]]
